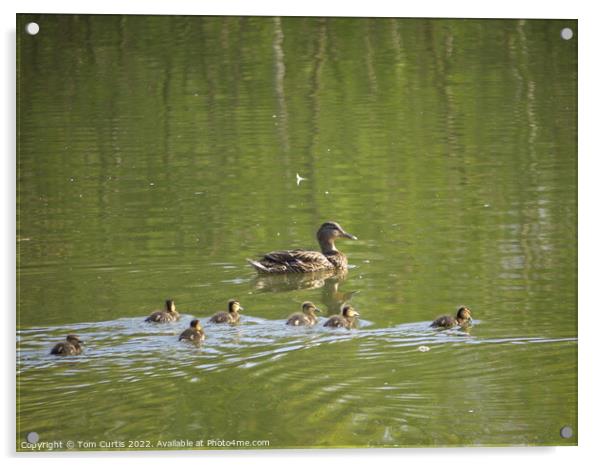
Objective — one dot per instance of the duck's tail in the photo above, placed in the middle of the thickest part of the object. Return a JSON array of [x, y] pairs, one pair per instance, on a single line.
[[258, 266]]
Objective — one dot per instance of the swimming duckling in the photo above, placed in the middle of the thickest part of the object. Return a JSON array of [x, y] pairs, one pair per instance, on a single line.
[[230, 317], [300, 260], [463, 319], [307, 317], [71, 347], [168, 315], [193, 333], [347, 318]]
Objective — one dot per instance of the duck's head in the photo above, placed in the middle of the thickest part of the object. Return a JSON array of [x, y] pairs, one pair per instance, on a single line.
[[348, 311], [309, 308], [330, 231], [464, 314], [74, 339], [196, 324], [170, 305], [234, 306]]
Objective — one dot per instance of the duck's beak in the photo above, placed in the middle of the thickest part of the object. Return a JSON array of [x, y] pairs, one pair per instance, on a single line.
[[349, 235], [240, 308], [317, 310]]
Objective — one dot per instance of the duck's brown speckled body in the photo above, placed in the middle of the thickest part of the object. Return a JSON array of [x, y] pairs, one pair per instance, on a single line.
[[232, 316], [463, 319], [72, 346], [301, 260], [168, 315], [305, 318], [193, 333], [346, 319]]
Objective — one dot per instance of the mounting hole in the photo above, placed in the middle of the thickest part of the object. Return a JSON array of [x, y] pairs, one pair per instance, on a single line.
[[566, 432], [32, 28], [33, 437], [566, 33]]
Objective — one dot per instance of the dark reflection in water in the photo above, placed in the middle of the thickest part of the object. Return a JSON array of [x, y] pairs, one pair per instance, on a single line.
[[328, 281], [156, 154]]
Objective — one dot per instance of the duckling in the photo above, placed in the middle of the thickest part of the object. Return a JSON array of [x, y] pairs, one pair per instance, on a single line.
[[70, 347], [230, 317], [299, 260], [463, 319], [193, 333], [168, 315], [307, 317], [347, 318]]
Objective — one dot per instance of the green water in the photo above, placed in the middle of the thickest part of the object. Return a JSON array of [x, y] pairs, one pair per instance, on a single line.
[[155, 154]]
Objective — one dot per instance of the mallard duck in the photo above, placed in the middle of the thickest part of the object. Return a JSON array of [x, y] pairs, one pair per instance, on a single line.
[[193, 333], [307, 317], [168, 315], [347, 318], [71, 347], [300, 260], [463, 318], [230, 317]]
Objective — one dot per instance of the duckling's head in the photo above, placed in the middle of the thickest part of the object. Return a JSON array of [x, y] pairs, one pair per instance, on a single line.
[[464, 314], [309, 308], [348, 311], [74, 339], [170, 305], [196, 324], [330, 231], [234, 306]]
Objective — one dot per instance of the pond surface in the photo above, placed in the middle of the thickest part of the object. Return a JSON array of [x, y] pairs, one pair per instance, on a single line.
[[157, 153]]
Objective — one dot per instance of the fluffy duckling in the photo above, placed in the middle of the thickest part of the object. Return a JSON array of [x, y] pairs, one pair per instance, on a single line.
[[307, 317], [168, 315], [193, 333], [232, 316], [347, 318], [70, 347], [299, 260], [463, 319]]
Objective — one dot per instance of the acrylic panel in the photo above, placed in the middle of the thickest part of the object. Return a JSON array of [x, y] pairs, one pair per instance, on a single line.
[[163, 157]]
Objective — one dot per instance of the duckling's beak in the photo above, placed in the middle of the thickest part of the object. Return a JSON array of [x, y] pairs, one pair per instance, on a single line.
[[317, 310], [240, 308]]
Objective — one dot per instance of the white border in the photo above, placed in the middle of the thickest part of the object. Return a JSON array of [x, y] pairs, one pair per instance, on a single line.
[[589, 214]]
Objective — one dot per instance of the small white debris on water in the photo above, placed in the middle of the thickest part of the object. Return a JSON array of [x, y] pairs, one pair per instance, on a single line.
[[152, 184], [326, 192], [300, 179], [423, 349], [485, 205]]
